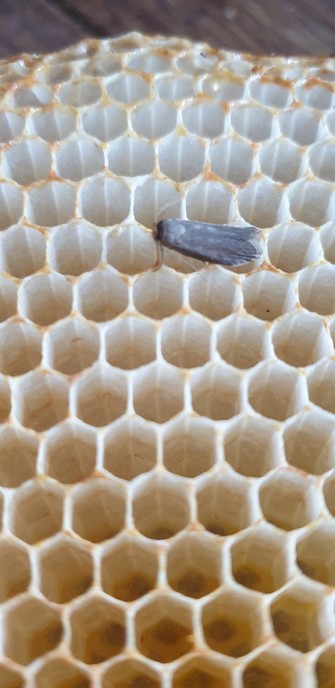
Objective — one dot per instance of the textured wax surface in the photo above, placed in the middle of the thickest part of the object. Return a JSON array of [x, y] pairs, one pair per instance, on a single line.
[[167, 454]]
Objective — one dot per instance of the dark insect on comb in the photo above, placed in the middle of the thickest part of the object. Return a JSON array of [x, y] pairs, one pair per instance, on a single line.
[[222, 244]]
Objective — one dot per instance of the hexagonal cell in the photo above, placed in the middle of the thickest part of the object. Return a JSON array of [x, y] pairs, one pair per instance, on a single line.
[[41, 400], [275, 668], [185, 341], [281, 160], [321, 385], [130, 448], [75, 248], [316, 291], [316, 95], [131, 157], [104, 122], [205, 291], [309, 442], [216, 392], [130, 343], [5, 399], [154, 119], [194, 565], [18, 452], [189, 447], [20, 348], [176, 88], [164, 296], [27, 162], [8, 298], [226, 504], [32, 629], [44, 299], [129, 569], [292, 246], [98, 510], [51, 203], [321, 160], [163, 629], [102, 295], [253, 207], [130, 249], [325, 668], [130, 672], [104, 201], [158, 393], [233, 622], [209, 201], [315, 553], [290, 500], [253, 446], [101, 396], [302, 616], [204, 119], [70, 453], [251, 122], [11, 204], [160, 507], [66, 570], [268, 295], [53, 124], [72, 346], [128, 88], [79, 93], [10, 678], [97, 630], [232, 336], [277, 391], [11, 125], [232, 159], [181, 158], [262, 559], [60, 673], [37, 510], [22, 251], [310, 202], [301, 125], [155, 200], [14, 570], [200, 672], [301, 339], [79, 158]]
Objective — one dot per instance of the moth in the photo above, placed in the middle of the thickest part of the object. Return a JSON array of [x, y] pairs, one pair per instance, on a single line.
[[221, 244]]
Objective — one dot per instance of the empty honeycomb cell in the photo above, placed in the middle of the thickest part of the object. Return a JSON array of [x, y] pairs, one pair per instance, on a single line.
[[101, 396], [292, 246], [14, 570], [206, 290], [102, 295], [155, 200], [79, 93], [281, 160], [20, 348], [316, 289], [200, 671], [130, 343], [277, 391], [53, 124], [128, 88], [27, 162], [8, 297], [130, 448], [209, 201], [5, 399], [309, 442], [301, 125], [131, 250], [271, 93], [104, 122], [224, 86], [268, 295], [232, 159], [56, 74], [261, 203], [163, 629], [51, 203], [315, 553], [233, 335], [216, 392], [130, 672], [22, 251], [251, 122], [204, 119], [315, 95], [261, 559], [327, 237], [131, 157], [321, 385], [195, 62], [35, 96], [57, 672], [275, 668], [10, 678], [301, 339], [325, 667], [102, 65], [154, 119], [252, 446], [11, 205], [11, 125], [174, 88], [18, 452], [233, 622], [226, 504], [311, 202], [71, 346], [32, 629], [301, 616], [74, 248], [98, 510], [194, 565], [186, 340], [163, 299], [70, 453], [189, 447], [290, 499], [66, 570], [158, 393], [44, 299], [322, 160], [79, 158], [149, 62], [41, 400], [160, 507], [97, 630], [181, 158], [37, 511], [129, 569], [104, 201]]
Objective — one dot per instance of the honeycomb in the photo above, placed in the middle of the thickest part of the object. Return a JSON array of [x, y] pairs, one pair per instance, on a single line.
[[167, 451]]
